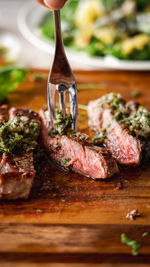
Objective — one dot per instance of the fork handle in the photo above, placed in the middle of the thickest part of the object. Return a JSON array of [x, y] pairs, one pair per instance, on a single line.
[[58, 34]]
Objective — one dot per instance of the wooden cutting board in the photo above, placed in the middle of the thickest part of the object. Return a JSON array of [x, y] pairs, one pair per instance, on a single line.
[[73, 220]]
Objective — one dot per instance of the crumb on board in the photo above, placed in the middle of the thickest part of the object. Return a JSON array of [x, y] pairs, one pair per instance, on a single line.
[[132, 215], [119, 186]]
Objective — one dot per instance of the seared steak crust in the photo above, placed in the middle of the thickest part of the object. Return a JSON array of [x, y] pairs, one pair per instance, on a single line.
[[16, 175], [78, 153], [19, 112]]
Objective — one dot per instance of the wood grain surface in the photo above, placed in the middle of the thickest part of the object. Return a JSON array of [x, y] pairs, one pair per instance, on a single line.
[[70, 220]]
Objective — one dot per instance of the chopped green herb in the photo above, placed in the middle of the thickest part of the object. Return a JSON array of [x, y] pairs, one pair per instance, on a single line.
[[113, 100], [129, 242], [62, 125], [67, 162], [19, 133], [144, 234], [135, 93], [99, 137], [139, 122]]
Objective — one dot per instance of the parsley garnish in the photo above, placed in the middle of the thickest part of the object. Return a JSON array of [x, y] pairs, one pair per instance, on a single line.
[[129, 242], [135, 93], [144, 234]]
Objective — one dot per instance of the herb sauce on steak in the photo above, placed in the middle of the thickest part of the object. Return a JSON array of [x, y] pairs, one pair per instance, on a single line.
[[126, 126]]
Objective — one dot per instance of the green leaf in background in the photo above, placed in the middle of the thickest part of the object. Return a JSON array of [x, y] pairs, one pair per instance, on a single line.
[[111, 4], [10, 79]]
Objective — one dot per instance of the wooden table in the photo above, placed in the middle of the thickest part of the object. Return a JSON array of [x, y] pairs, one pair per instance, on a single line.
[[70, 220]]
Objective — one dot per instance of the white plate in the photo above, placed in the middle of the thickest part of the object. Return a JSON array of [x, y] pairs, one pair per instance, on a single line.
[[29, 18]]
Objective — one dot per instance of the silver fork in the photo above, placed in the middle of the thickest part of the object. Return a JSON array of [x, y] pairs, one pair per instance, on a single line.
[[61, 79]]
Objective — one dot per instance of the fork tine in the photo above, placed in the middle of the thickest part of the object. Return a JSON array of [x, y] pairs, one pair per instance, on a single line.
[[62, 98], [73, 105], [51, 94]]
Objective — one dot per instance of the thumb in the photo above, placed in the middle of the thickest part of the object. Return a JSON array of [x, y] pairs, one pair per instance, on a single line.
[[54, 4]]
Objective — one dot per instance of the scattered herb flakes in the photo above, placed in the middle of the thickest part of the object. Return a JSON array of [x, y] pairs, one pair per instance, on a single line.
[[130, 242], [87, 201], [39, 211], [144, 234], [132, 215], [135, 93]]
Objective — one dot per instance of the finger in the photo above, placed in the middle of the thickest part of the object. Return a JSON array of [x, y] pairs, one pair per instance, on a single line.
[[54, 4], [41, 2]]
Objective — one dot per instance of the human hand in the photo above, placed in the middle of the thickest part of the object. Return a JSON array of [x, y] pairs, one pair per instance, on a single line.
[[52, 4]]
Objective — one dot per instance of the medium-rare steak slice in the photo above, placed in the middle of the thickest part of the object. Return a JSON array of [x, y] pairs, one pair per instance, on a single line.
[[126, 125], [18, 139], [16, 175], [78, 153]]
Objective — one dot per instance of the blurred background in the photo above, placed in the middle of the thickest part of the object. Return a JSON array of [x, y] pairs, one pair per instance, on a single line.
[[25, 54], [98, 34]]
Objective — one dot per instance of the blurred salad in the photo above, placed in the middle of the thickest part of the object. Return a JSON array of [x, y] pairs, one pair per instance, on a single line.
[[105, 27]]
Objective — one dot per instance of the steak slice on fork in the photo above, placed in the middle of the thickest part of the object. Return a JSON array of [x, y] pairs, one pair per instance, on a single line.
[[77, 152]]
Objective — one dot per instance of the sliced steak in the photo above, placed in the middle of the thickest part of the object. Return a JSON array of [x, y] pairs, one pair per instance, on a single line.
[[125, 147], [78, 153], [17, 169], [16, 175]]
